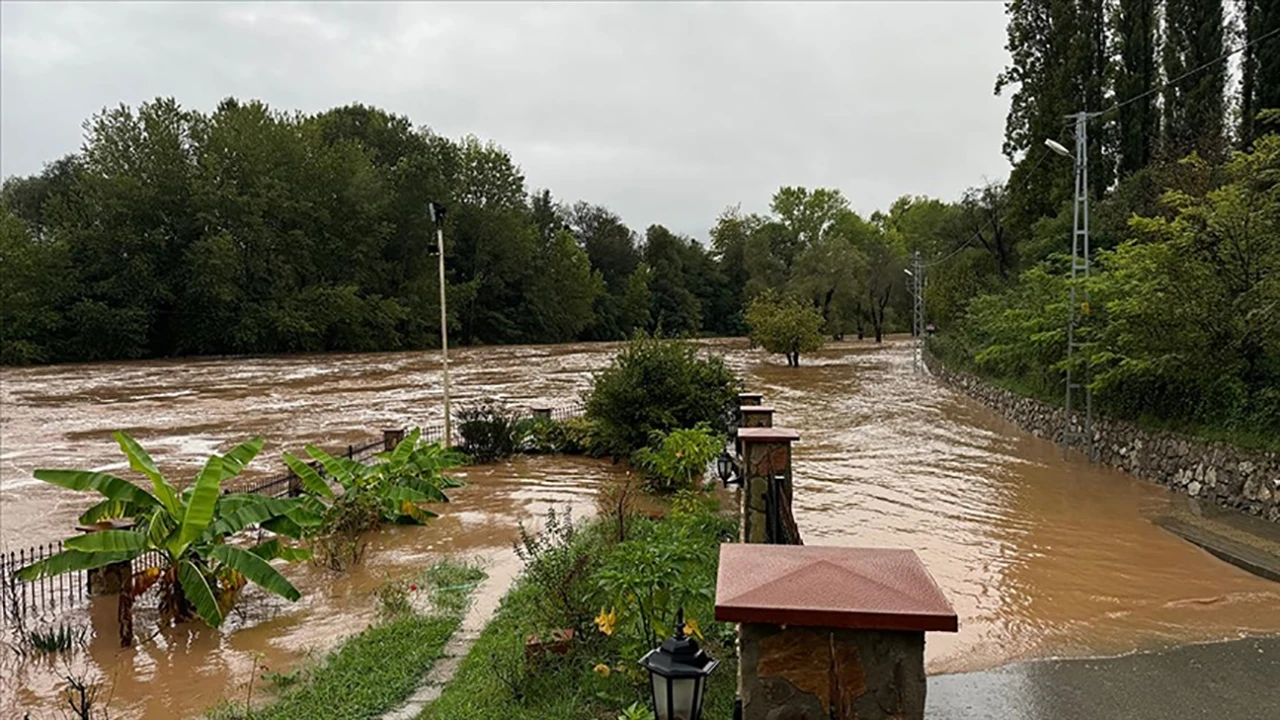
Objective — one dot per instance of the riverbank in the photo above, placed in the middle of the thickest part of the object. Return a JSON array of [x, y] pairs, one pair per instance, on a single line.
[[1213, 471]]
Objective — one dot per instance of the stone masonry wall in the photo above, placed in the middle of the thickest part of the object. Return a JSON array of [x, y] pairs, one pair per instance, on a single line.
[[1243, 479]]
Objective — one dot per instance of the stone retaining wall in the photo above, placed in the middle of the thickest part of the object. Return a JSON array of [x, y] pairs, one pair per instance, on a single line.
[[1243, 479]]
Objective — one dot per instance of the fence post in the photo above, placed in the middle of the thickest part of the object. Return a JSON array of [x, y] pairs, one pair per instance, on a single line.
[[391, 438], [767, 486], [108, 579]]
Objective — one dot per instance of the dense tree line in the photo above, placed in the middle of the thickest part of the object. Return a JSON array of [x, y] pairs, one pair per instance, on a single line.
[[1183, 315], [247, 230]]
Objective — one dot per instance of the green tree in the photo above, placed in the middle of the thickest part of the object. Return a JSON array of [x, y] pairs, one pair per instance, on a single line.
[[1139, 121], [675, 309], [1194, 107], [563, 289], [784, 325]]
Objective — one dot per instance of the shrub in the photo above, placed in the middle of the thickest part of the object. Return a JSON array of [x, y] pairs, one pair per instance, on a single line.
[[56, 639], [656, 384], [678, 460], [559, 563], [581, 437], [542, 436], [489, 431]]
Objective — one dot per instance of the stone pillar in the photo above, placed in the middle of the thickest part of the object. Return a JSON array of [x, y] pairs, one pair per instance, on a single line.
[[766, 466], [109, 579], [391, 438], [541, 412], [749, 398], [756, 416], [819, 637]]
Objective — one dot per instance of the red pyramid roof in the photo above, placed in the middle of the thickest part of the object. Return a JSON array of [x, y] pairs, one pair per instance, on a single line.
[[870, 588]]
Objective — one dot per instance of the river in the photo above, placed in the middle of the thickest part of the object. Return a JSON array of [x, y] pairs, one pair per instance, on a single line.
[[1042, 555]]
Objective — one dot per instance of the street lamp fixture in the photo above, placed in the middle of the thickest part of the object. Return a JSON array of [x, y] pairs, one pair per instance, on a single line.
[[678, 672], [1057, 147], [727, 470]]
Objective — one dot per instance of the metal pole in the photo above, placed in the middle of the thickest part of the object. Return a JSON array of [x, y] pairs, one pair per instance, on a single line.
[[1079, 270], [444, 339]]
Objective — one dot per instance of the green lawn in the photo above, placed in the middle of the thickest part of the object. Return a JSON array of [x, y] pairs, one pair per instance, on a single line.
[[375, 671]]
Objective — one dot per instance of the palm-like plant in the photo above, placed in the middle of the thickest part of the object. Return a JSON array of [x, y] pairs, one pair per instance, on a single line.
[[200, 574], [400, 483]]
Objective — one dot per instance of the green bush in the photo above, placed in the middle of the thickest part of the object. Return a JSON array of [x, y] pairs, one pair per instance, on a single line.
[[581, 437], [658, 385], [489, 431], [678, 460], [559, 561]]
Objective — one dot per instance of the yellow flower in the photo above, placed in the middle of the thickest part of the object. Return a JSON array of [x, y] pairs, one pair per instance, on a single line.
[[602, 669], [691, 627], [607, 621]]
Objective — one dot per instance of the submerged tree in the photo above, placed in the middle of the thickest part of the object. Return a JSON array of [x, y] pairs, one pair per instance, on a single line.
[[782, 324]]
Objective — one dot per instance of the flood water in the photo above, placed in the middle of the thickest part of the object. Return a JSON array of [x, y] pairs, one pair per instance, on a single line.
[[1041, 555]]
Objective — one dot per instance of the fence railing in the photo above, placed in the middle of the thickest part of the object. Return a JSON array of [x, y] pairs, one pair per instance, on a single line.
[[47, 598]]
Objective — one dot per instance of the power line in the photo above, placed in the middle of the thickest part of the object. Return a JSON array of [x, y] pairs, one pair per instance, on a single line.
[[1188, 73]]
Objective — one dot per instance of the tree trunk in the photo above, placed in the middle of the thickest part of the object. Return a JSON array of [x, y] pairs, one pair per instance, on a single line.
[[124, 612]]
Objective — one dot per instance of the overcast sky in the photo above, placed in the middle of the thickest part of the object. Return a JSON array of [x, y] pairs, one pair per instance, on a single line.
[[664, 112]]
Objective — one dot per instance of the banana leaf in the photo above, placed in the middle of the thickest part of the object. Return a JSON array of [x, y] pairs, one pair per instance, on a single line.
[[140, 461], [108, 541], [110, 486], [197, 591], [255, 568]]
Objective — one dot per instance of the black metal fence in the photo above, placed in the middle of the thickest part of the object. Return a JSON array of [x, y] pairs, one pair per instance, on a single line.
[[46, 598]]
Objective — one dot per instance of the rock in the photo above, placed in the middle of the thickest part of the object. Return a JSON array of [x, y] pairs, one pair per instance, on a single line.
[[1193, 489]]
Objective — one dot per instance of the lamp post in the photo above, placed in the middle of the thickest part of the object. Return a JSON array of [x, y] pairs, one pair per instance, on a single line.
[[678, 672], [726, 468], [1079, 268], [437, 217]]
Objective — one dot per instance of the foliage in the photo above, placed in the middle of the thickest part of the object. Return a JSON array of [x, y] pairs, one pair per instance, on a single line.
[[200, 572], [599, 676], [489, 431], [782, 325], [678, 460], [394, 598], [398, 484], [582, 437], [58, 638], [559, 562], [250, 230], [1181, 325], [647, 579], [656, 384]]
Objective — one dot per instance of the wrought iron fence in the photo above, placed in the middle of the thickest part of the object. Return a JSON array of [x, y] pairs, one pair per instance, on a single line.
[[46, 598]]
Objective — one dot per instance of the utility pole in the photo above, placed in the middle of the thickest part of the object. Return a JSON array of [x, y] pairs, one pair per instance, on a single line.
[[917, 309], [1078, 304], [437, 217]]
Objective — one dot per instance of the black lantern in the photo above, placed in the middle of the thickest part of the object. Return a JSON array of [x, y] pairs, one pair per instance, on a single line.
[[726, 469], [678, 672]]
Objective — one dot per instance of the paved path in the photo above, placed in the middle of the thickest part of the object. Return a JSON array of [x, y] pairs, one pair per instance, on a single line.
[[1235, 680], [501, 571]]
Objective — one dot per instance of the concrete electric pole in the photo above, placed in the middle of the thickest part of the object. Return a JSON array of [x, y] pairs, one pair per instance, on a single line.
[[437, 218]]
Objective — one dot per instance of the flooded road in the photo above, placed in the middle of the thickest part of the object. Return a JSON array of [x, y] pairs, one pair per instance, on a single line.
[[1041, 555]]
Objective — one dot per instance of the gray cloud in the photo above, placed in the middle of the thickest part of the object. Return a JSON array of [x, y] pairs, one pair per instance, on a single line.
[[665, 112]]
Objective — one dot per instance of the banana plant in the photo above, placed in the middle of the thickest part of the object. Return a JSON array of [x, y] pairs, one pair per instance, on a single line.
[[400, 482], [200, 572]]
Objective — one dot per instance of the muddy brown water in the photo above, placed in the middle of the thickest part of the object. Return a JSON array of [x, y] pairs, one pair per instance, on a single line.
[[1042, 555]]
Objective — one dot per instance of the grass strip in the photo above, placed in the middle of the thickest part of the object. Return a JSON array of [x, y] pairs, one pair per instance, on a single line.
[[375, 671]]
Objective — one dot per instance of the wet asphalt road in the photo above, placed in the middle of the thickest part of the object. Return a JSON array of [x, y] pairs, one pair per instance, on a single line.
[[1236, 680]]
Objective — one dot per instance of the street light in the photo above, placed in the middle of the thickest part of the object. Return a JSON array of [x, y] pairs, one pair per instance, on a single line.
[[678, 672], [437, 217], [1057, 147], [725, 468]]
